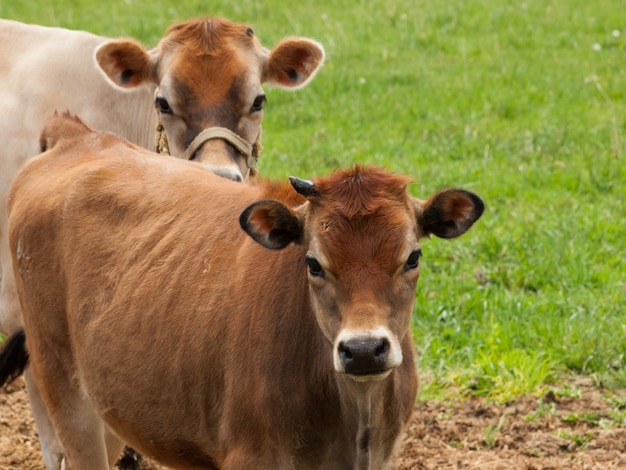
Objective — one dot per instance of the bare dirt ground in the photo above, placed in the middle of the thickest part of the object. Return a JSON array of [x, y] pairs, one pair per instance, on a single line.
[[554, 432]]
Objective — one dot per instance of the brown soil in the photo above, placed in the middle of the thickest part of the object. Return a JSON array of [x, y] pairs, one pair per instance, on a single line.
[[551, 433]]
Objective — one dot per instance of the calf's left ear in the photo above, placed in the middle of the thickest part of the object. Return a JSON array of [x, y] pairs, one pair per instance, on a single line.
[[271, 224], [449, 213]]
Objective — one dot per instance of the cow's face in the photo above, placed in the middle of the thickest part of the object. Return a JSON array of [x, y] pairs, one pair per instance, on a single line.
[[362, 272], [361, 231], [208, 75]]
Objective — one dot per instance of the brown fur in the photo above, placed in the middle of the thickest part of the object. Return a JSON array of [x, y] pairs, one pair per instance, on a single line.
[[211, 45], [147, 307], [207, 36], [361, 193]]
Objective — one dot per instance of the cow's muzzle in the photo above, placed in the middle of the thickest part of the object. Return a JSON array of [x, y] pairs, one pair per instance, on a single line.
[[250, 152], [367, 356]]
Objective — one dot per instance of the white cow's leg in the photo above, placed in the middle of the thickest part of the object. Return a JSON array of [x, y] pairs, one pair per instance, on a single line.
[[79, 430], [50, 446], [114, 446], [83, 441], [10, 311]]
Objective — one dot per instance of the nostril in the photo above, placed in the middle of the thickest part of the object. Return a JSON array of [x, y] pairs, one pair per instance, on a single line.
[[344, 352], [382, 349]]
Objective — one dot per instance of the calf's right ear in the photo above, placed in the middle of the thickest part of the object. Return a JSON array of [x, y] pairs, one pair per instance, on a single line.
[[271, 224]]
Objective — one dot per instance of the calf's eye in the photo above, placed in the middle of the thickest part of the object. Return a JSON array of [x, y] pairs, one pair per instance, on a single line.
[[315, 269], [258, 103], [413, 261], [162, 105]]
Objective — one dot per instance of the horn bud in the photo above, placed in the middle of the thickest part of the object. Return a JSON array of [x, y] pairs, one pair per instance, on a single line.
[[304, 187]]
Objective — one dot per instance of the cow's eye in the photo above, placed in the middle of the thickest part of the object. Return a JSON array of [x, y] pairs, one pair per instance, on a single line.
[[315, 269], [258, 103], [162, 105], [413, 261]]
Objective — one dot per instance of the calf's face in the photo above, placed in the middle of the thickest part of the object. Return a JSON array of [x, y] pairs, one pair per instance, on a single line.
[[362, 273], [362, 258]]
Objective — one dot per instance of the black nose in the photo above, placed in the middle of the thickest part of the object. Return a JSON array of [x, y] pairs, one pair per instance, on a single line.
[[364, 356]]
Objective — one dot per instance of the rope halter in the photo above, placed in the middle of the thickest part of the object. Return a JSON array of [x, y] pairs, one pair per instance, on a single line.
[[241, 145]]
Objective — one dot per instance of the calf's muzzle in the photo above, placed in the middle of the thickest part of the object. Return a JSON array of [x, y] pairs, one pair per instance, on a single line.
[[364, 356]]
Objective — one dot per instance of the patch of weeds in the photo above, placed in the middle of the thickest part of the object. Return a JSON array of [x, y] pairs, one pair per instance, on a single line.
[[456, 444], [491, 436], [617, 416], [568, 391], [618, 419], [543, 409], [578, 440], [592, 419], [617, 402], [435, 386], [502, 372], [492, 432]]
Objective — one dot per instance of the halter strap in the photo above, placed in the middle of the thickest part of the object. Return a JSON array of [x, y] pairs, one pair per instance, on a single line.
[[225, 134]]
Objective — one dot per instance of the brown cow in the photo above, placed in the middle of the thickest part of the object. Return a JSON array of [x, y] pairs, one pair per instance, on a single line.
[[151, 318]]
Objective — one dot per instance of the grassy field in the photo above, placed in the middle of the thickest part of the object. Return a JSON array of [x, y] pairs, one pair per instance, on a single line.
[[522, 102]]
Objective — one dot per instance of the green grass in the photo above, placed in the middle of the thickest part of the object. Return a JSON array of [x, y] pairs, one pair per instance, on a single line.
[[522, 102]]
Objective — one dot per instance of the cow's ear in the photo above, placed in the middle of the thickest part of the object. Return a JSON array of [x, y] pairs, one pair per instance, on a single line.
[[271, 224], [294, 62], [125, 62], [449, 213]]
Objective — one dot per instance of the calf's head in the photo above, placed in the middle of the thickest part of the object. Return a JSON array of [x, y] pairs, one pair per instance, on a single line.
[[208, 75], [361, 231]]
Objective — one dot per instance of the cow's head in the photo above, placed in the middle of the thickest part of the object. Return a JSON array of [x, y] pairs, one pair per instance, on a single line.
[[208, 75], [362, 231]]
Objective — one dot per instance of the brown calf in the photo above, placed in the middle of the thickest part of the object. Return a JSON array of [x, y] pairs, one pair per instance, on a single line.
[[151, 318], [205, 78]]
